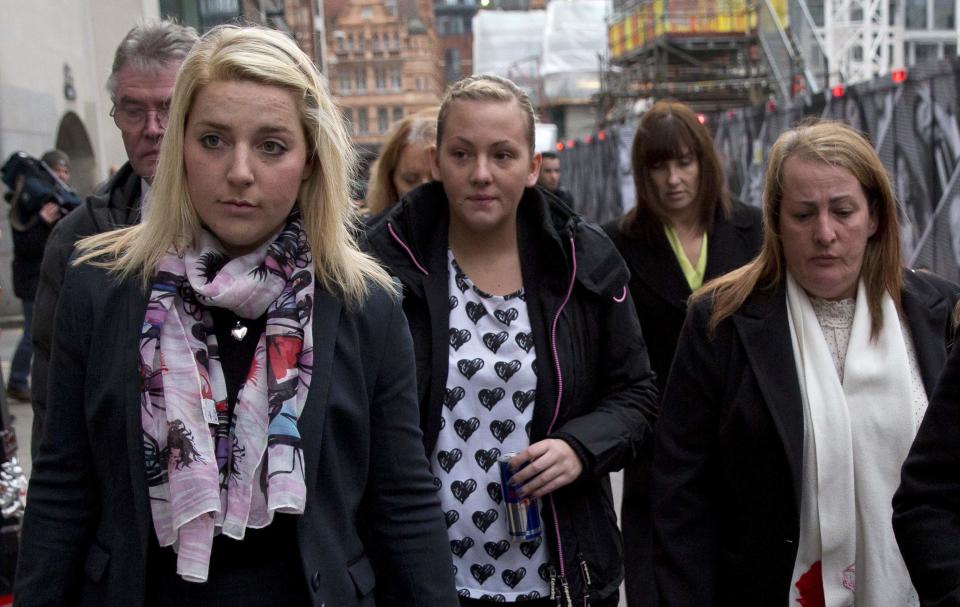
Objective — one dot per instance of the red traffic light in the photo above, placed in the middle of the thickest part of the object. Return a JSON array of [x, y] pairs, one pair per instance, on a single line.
[[898, 76], [838, 90]]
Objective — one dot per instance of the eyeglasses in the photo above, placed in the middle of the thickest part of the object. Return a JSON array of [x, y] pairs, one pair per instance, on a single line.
[[132, 118]]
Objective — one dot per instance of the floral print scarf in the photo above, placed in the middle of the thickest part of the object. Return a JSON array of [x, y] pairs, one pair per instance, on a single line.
[[208, 471]]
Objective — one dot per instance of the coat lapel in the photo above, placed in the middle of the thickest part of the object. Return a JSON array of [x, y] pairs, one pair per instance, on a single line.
[[765, 333], [654, 264], [326, 321], [129, 336], [728, 247], [928, 316]]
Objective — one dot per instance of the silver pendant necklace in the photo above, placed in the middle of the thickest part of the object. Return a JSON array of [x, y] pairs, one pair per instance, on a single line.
[[238, 332]]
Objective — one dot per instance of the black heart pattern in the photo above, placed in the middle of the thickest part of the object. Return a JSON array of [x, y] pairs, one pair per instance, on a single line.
[[486, 458], [463, 591], [505, 370], [458, 337], [466, 427], [462, 283], [528, 549], [462, 489], [452, 396], [493, 341], [475, 311], [496, 549], [526, 428], [468, 368], [490, 398], [481, 573], [544, 572], [533, 366], [454, 302], [494, 598], [460, 547], [506, 316], [437, 482], [522, 400], [443, 423], [448, 459], [483, 520], [528, 597], [502, 429], [512, 578], [451, 516], [495, 492], [524, 340]]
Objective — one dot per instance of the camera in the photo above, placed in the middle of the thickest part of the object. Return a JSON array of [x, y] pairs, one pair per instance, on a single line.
[[32, 184]]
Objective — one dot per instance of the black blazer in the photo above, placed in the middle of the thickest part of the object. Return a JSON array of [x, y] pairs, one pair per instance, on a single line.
[[729, 448], [926, 508], [85, 532], [660, 292]]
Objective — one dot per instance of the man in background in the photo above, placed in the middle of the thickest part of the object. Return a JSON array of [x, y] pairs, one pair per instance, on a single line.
[[550, 177], [140, 85]]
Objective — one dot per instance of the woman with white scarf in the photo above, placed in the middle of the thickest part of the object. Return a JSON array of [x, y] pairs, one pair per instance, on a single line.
[[232, 418], [799, 382]]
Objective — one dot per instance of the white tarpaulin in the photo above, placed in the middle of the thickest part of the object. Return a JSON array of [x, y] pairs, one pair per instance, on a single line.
[[574, 38], [508, 44]]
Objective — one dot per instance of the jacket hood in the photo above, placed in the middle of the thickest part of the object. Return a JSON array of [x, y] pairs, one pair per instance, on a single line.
[[412, 240]]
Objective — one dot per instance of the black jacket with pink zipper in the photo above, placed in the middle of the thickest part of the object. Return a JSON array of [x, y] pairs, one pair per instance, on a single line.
[[585, 325]]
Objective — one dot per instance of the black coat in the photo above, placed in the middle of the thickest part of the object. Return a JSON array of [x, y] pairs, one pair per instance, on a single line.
[[660, 292], [729, 449], [115, 204], [85, 532], [608, 404], [926, 508]]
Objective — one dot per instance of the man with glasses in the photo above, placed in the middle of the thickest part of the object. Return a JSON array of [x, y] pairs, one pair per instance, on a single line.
[[140, 84]]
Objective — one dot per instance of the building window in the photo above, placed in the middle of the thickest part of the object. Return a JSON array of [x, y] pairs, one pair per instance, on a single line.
[[345, 80], [338, 41], [396, 79], [419, 83], [375, 43], [383, 121], [944, 16], [452, 62], [380, 77], [391, 7], [925, 52], [397, 113], [366, 13], [395, 44], [361, 80], [915, 14], [363, 124], [361, 43]]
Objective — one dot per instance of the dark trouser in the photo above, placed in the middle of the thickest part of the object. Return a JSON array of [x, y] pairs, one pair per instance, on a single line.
[[20, 365]]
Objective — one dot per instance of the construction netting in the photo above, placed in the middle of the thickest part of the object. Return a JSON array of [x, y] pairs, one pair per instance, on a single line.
[[913, 125]]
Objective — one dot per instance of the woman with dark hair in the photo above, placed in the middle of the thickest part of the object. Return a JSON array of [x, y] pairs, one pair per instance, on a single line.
[[797, 388], [684, 229]]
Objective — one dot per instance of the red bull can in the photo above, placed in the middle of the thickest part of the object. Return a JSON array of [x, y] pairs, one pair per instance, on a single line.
[[523, 513]]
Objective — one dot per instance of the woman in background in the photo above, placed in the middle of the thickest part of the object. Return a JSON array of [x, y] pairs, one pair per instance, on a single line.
[[684, 230], [404, 161]]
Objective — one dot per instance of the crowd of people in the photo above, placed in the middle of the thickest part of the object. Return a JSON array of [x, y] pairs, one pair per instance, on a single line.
[[250, 392]]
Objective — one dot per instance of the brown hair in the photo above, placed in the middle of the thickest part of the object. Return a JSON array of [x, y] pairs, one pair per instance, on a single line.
[[487, 87], [839, 145], [667, 131], [416, 129]]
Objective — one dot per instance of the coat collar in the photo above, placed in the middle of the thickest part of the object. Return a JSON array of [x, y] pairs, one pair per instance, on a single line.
[[763, 327], [764, 331], [729, 246]]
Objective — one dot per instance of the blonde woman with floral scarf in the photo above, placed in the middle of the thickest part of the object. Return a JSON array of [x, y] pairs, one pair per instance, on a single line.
[[233, 417]]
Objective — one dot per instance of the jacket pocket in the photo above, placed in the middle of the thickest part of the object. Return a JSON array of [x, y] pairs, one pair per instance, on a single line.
[[361, 572], [96, 563]]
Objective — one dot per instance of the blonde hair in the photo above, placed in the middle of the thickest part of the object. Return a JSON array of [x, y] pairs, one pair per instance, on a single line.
[[487, 87], [416, 129], [839, 145], [254, 54]]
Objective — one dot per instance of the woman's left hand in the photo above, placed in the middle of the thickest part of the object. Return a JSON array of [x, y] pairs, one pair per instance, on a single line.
[[551, 464]]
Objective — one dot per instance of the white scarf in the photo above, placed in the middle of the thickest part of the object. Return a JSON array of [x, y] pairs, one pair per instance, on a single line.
[[856, 436]]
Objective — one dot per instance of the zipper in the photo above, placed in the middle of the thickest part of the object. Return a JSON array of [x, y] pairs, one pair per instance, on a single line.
[[556, 412], [585, 572], [404, 246]]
